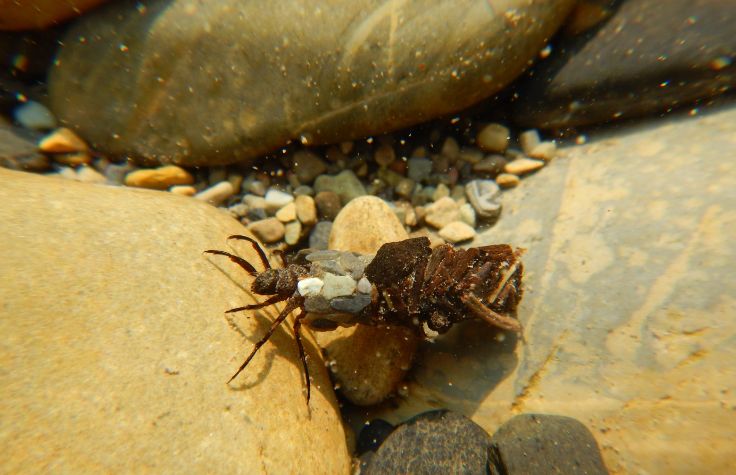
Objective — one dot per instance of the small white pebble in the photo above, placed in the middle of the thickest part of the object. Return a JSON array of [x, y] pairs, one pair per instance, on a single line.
[[34, 115], [278, 199], [309, 286], [364, 286]]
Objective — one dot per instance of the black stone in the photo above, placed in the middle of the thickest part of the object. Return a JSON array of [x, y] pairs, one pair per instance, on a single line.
[[437, 442], [649, 57], [539, 443]]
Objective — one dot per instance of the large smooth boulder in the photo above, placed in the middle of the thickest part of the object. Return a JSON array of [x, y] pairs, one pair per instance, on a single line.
[[217, 82], [629, 309], [115, 350]]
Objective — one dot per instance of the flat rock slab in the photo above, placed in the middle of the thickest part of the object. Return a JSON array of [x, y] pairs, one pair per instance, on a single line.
[[116, 351], [198, 83], [629, 303], [644, 60]]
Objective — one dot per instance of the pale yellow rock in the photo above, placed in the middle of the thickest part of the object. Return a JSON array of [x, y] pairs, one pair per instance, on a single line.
[[287, 213], [306, 210], [521, 166], [116, 348], [216, 194], [456, 231], [183, 190], [544, 151], [493, 138], [62, 140], [90, 175], [368, 363], [507, 180], [159, 178]]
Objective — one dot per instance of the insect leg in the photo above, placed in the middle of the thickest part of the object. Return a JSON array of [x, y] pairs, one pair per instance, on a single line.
[[272, 300], [256, 246], [302, 354], [477, 308], [236, 259], [290, 306]]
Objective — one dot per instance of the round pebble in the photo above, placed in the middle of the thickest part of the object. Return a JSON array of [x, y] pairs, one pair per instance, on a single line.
[[491, 165], [442, 212], [90, 175], [364, 286], [276, 199], [405, 188], [337, 285], [309, 286], [493, 138], [384, 155], [34, 115], [483, 196], [183, 190], [328, 204], [419, 169], [544, 151], [345, 184], [268, 230], [528, 140], [457, 231], [521, 166], [292, 232], [307, 166]]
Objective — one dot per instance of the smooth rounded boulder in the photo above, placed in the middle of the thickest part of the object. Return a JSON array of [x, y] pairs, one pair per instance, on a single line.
[[195, 83]]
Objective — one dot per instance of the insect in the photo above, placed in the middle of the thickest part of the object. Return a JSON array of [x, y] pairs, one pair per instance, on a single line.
[[406, 283]]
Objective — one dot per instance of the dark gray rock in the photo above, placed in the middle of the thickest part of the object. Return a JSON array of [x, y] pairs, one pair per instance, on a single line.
[[436, 442], [199, 83], [351, 304], [372, 435], [320, 235], [539, 443], [646, 59]]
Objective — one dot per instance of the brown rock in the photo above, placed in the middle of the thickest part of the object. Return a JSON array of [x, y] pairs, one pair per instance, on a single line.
[[133, 376], [268, 230], [507, 180], [62, 140], [159, 178], [328, 204], [521, 166]]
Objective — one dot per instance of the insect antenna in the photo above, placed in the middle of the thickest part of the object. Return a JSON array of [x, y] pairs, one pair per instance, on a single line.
[[256, 246], [236, 259]]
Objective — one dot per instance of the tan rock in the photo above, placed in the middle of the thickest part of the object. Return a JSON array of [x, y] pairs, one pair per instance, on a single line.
[[117, 354], [287, 213], [507, 180], [544, 151], [493, 138], [62, 140], [442, 212], [183, 190], [306, 210], [216, 194], [368, 363], [268, 230], [521, 166], [159, 178], [90, 175], [457, 231]]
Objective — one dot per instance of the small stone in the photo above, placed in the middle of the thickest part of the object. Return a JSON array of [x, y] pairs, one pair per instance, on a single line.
[[457, 231], [116, 172], [419, 169], [405, 188], [491, 165], [254, 202], [216, 194], [309, 286], [159, 178], [268, 230], [544, 151], [88, 174], [73, 159], [18, 149], [352, 304], [287, 213], [337, 285], [307, 166], [320, 235], [238, 210], [277, 199], [442, 212], [384, 155], [467, 214], [256, 187], [528, 140], [62, 140], [410, 218], [306, 210], [364, 286], [520, 166], [391, 177], [507, 180], [236, 179], [541, 443], [345, 184], [434, 442], [440, 192], [34, 115], [328, 204], [450, 149], [292, 232], [303, 190], [484, 196], [493, 138], [183, 190], [364, 225], [316, 304]]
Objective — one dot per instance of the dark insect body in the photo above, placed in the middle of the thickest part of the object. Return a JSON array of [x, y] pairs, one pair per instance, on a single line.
[[407, 283]]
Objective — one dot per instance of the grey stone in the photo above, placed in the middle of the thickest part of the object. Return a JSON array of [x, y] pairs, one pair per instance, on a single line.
[[437, 442], [317, 304], [345, 184], [491, 165], [220, 82], [307, 166], [485, 197], [320, 235], [541, 443], [337, 285], [419, 169], [351, 304], [323, 255], [19, 150]]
